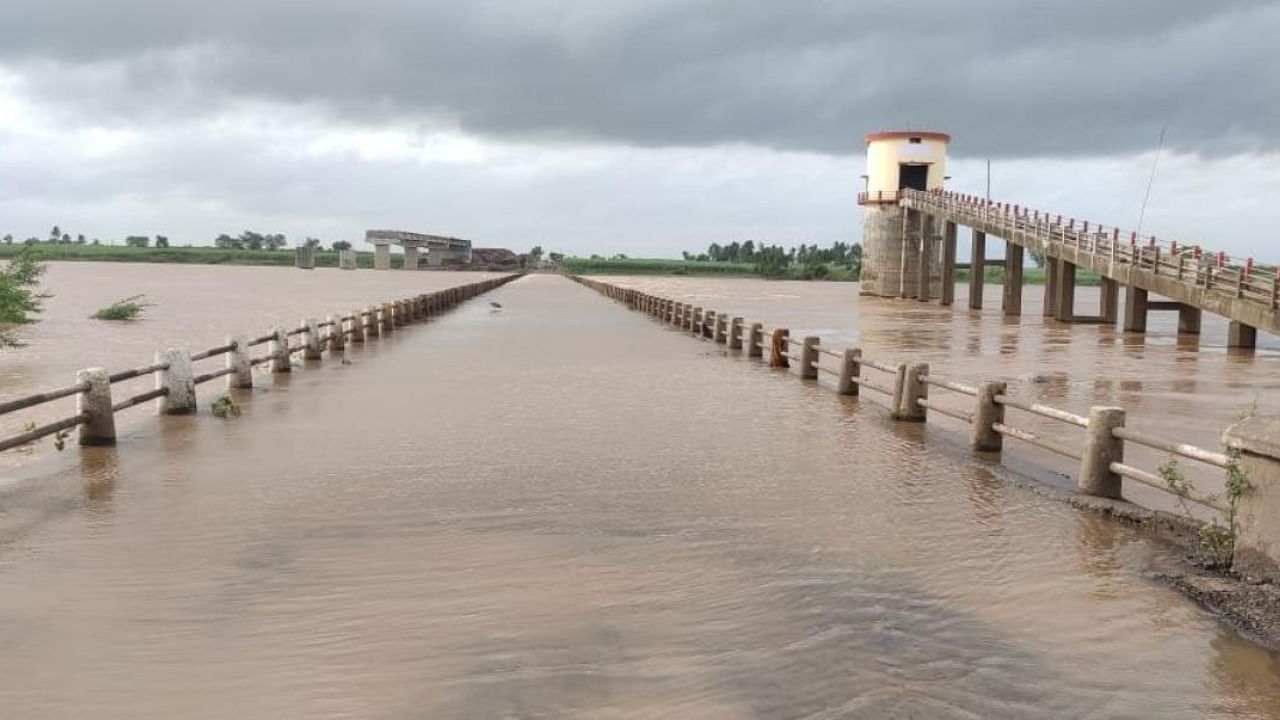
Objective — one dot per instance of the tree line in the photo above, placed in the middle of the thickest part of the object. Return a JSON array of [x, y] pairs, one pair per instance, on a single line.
[[774, 260], [247, 240]]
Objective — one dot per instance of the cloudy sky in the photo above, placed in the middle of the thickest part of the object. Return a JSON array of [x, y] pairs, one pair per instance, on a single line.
[[636, 126]]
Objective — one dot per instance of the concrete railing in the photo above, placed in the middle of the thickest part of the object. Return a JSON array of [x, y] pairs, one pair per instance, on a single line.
[[176, 377], [909, 388]]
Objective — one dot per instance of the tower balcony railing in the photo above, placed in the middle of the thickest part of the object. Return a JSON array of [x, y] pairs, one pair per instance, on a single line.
[[879, 197]]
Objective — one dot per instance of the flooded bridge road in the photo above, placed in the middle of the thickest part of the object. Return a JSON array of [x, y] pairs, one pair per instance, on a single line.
[[560, 510]]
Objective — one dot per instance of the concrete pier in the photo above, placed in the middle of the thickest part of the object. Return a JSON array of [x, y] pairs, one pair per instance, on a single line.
[[1240, 335], [382, 256], [977, 268]]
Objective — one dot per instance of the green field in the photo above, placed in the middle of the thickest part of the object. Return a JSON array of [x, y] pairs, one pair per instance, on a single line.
[[194, 255]]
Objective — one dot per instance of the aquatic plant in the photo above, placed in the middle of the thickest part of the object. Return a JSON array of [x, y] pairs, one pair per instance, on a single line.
[[129, 308], [224, 407]]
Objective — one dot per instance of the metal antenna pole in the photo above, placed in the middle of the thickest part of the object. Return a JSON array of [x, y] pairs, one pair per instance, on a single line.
[[1150, 181]]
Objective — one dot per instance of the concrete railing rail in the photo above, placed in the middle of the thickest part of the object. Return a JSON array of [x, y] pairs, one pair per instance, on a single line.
[[176, 379]]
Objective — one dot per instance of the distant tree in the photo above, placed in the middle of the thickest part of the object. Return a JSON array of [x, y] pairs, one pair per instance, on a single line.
[[556, 257], [65, 239], [96, 241], [620, 256], [80, 239], [1037, 258], [8, 239], [162, 241], [31, 240], [311, 242], [55, 234], [341, 245], [275, 242], [226, 242], [535, 253], [138, 241]]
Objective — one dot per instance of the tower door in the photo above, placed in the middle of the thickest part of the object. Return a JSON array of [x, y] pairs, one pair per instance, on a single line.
[[915, 177]]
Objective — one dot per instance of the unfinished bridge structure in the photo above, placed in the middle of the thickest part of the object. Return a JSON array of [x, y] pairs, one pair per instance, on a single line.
[[440, 250]]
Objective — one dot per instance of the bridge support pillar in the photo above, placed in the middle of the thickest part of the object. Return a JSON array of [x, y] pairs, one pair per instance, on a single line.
[[382, 256], [1012, 304], [1050, 307], [949, 230], [1109, 301], [1189, 320], [1064, 290], [1135, 309], [925, 262], [977, 268], [1240, 335], [410, 257]]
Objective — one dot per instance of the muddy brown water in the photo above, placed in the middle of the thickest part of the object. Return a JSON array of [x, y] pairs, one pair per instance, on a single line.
[[561, 509]]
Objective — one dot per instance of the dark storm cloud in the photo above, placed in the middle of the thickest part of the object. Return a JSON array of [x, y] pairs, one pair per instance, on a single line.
[[1006, 77]]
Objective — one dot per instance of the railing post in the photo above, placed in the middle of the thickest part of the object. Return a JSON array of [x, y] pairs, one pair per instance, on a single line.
[[695, 324], [337, 337], [708, 324], [850, 370], [179, 382], [279, 349], [809, 358], [755, 337], [357, 326], [1101, 448], [95, 404], [914, 389], [986, 413], [387, 319], [311, 347], [1256, 550], [735, 334], [778, 349], [241, 376], [899, 382], [372, 328], [722, 329]]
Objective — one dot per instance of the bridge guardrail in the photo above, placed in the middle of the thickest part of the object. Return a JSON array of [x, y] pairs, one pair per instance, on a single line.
[[1100, 453], [176, 380]]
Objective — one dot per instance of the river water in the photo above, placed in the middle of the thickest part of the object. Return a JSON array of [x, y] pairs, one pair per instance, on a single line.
[[561, 509]]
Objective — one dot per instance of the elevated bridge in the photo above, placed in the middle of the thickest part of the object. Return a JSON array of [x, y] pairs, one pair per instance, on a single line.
[[441, 250], [1192, 278]]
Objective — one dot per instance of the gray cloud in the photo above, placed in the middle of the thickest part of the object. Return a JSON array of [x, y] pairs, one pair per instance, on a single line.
[[1006, 77]]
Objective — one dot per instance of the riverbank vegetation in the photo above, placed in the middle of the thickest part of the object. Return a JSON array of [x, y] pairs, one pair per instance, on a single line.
[[203, 255], [20, 298]]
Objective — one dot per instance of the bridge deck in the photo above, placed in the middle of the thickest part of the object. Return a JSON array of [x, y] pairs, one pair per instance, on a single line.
[[1243, 292]]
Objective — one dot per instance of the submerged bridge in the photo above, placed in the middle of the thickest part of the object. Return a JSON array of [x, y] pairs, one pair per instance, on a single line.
[[1192, 279]]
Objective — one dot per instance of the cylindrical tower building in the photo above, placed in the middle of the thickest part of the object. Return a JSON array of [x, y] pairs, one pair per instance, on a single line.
[[892, 245]]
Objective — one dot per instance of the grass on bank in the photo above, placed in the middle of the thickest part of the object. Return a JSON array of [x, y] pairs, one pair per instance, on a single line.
[[130, 308]]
